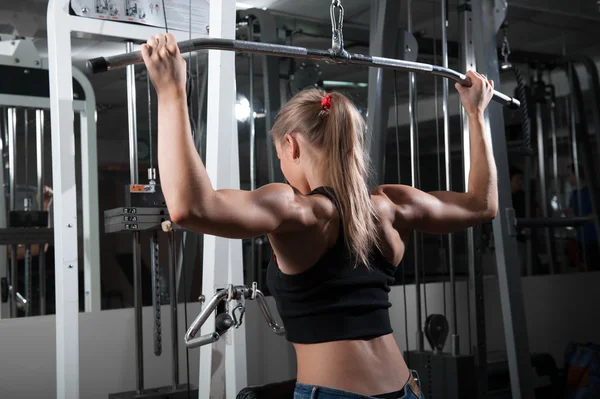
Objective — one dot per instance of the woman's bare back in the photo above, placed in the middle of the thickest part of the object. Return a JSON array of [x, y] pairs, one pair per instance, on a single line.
[[296, 251], [367, 366]]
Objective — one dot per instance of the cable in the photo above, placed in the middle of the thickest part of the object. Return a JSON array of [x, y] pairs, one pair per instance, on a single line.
[[165, 16], [185, 317], [438, 152], [150, 121], [189, 88], [405, 315], [189, 80], [397, 133], [26, 163], [398, 165], [421, 240]]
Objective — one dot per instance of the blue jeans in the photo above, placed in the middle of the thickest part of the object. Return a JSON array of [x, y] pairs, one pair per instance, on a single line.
[[304, 391]]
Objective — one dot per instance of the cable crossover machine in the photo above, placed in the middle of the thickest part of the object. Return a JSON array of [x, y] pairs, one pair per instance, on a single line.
[[227, 318], [153, 214]]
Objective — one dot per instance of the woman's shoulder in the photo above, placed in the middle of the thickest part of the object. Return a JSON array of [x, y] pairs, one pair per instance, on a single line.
[[383, 205], [315, 206]]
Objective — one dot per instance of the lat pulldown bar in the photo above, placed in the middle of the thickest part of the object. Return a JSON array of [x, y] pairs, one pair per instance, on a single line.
[[103, 64]]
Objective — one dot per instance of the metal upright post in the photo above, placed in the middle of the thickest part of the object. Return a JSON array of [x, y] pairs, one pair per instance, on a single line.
[[509, 276], [575, 151], [27, 264], [186, 263], [552, 106], [12, 161], [89, 196], [137, 261], [592, 71], [475, 282], [39, 140], [555, 183], [65, 201], [221, 257], [27, 208], [383, 43], [448, 170], [529, 243], [541, 148], [4, 272], [581, 138], [173, 306], [132, 118], [414, 176]]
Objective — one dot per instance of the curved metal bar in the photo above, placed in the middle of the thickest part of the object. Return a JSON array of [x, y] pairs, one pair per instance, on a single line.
[[189, 339], [264, 307], [237, 292], [203, 340], [103, 64]]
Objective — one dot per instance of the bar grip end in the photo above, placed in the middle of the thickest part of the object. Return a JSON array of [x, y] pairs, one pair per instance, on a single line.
[[514, 104], [97, 65]]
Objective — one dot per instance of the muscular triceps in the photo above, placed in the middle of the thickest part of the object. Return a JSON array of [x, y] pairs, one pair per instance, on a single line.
[[438, 212], [245, 214]]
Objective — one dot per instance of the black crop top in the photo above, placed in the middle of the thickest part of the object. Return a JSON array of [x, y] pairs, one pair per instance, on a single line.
[[333, 300]]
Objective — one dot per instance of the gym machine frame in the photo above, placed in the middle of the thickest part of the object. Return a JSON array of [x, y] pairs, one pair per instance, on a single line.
[[509, 277], [23, 50], [222, 22], [335, 55], [62, 105]]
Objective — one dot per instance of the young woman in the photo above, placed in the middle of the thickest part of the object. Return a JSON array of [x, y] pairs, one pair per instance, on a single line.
[[336, 246]]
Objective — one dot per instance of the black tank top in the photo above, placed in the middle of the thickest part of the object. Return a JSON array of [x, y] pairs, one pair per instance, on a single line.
[[333, 300]]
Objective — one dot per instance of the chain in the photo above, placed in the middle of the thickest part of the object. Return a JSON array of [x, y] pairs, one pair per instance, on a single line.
[[156, 295], [337, 25], [505, 44]]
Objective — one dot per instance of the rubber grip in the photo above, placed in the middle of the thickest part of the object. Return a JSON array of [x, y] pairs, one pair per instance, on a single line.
[[97, 65]]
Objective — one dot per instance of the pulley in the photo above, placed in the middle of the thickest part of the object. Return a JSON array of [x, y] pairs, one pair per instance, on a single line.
[[436, 331]]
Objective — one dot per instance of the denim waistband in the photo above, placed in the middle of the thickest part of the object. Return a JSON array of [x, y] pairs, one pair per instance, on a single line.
[[412, 390]]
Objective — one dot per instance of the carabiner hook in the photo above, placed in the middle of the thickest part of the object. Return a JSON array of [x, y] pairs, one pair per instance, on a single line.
[[241, 310], [337, 26], [505, 51]]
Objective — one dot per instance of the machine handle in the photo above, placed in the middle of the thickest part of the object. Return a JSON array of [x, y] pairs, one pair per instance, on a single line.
[[234, 292]]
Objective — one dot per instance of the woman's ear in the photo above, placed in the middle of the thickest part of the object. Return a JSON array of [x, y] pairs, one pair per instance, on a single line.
[[292, 146]]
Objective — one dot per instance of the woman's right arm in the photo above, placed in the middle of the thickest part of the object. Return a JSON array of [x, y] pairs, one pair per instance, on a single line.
[[442, 212]]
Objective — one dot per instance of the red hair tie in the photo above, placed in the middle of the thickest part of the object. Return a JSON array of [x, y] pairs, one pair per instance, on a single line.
[[326, 102]]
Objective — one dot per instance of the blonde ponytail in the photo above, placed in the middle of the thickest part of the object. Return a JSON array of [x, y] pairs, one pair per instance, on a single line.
[[332, 123]]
